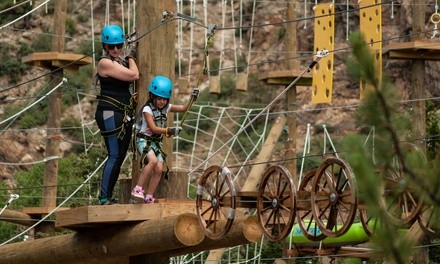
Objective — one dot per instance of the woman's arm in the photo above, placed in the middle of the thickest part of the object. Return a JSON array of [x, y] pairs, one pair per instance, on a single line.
[[109, 68]]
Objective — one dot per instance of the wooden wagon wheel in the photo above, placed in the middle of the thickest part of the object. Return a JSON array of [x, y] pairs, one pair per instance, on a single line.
[[276, 203], [306, 220], [334, 197], [427, 219], [215, 202], [401, 201], [368, 223]]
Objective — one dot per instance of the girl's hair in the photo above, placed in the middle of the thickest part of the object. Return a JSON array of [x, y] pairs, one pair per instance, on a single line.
[[151, 98]]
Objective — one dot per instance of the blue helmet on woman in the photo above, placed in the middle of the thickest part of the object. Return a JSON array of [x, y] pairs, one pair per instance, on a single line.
[[112, 34], [161, 86]]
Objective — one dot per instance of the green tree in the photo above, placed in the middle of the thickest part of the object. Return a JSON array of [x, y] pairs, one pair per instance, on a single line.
[[397, 169]]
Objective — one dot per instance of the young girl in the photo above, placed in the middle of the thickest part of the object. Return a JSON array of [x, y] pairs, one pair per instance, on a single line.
[[154, 126]]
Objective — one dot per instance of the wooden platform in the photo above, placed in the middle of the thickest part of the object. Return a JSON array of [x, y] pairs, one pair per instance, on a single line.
[[285, 77], [413, 50], [39, 211], [102, 215], [50, 60]]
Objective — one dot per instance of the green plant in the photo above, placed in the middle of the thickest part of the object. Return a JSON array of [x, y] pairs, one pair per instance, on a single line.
[[43, 43], [70, 26], [432, 130], [82, 18], [10, 62], [12, 13]]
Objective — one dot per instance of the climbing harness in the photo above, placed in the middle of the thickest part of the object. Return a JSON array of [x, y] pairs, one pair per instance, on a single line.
[[128, 114], [160, 118]]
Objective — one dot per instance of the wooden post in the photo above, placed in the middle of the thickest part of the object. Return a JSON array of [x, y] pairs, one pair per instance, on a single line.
[[54, 113], [156, 56], [291, 48], [417, 90], [257, 171]]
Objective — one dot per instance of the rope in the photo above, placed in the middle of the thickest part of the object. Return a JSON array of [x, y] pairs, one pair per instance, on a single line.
[[30, 163], [320, 55], [59, 206], [107, 15], [305, 150], [122, 16], [34, 103], [233, 37], [30, 12], [12, 7], [93, 35], [222, 47], [251, 35], [179, 39]]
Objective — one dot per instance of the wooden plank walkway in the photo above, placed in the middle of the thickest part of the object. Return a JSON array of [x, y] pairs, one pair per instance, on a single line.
[[102, 215]]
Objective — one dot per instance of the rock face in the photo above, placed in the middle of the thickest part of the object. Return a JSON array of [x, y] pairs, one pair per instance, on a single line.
[[261, 40]]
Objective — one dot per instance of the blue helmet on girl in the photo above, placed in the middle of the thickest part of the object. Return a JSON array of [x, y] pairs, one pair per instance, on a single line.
[[161, 86], [112, 34]]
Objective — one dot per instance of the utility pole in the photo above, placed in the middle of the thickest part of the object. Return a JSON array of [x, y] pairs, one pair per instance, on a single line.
[[54, 112]]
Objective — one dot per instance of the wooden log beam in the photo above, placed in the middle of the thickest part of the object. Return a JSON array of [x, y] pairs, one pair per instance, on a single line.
[[120, 241], [243, 231], [17, 217]]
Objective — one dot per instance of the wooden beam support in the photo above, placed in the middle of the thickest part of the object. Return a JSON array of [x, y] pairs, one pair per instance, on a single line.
[[17, 217], [103, 245], [243, 231], [413, 50], [285, 77]]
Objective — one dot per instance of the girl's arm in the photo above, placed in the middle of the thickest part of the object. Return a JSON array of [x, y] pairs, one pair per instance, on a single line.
[[184, 107], [152, 125]]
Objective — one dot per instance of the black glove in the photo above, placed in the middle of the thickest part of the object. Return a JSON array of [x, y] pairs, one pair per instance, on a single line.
[[131, 53], [131, 47], [195, 94], [173, 131]]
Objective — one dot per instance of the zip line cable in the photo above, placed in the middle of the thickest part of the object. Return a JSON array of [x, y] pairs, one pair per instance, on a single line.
[[13, 21], [319, 55], [59, 206], [193, 20], [12, 7]]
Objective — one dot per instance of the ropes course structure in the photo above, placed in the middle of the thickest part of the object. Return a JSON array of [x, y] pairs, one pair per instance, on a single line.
[[215, 137]]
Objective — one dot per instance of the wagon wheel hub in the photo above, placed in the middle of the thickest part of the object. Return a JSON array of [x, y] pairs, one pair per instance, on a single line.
[[214, 202], [275, 203], [333, 197]]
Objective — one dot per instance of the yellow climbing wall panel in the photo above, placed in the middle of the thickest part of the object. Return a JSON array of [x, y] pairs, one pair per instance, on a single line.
[[322, 84], [370, 14]]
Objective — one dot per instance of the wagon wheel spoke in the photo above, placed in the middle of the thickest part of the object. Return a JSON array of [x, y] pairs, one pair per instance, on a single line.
[[404, 202], [428, 221], [276, 203], [334, 207], [215, 201]]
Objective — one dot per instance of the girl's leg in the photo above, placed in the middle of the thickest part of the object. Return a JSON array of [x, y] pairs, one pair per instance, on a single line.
[[147, 170], [157, 175]]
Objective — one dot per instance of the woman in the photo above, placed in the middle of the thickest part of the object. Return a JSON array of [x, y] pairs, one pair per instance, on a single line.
[[115, 107]]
